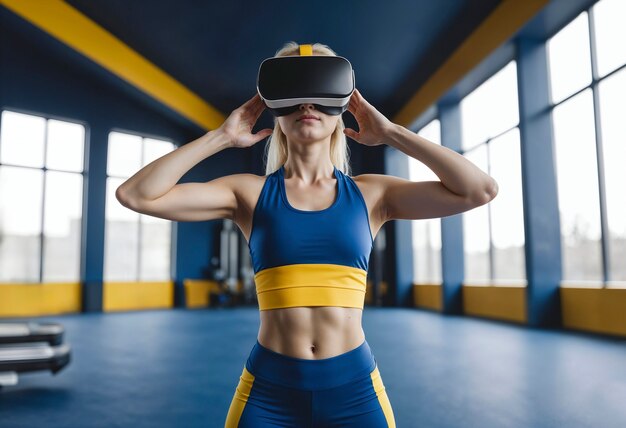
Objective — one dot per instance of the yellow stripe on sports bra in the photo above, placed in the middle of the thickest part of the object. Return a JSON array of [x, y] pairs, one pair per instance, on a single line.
[[306, 50], [311, 285]]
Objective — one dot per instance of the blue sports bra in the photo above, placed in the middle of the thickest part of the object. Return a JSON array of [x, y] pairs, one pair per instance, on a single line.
[[310, 258]]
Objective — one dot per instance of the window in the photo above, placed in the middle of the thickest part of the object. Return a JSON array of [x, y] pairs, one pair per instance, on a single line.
[[41, 189], [491, 109], [577, 177], [494, 233], [507, 209], [426, 233], [589, 135], [476, 240], [137, 246], [610, 33], [612, 107], [569, 59]]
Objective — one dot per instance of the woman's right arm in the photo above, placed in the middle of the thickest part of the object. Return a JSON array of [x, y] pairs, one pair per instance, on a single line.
[[153, 189]]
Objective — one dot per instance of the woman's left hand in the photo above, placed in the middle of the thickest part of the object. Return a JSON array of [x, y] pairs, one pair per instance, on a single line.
[[373, 125]]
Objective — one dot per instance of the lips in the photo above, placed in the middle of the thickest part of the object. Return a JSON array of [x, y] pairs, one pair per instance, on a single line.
[[308, 116]]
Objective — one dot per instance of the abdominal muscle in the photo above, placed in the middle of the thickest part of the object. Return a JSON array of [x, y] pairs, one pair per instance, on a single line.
[[311, 332]]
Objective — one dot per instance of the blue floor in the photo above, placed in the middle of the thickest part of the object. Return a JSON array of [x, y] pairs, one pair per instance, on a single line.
[[179, 368]]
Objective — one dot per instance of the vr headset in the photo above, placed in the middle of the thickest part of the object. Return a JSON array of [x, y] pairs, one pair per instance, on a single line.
[[285, 82]]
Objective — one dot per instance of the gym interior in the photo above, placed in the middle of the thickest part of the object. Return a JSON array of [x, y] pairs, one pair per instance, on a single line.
[[512, 314]]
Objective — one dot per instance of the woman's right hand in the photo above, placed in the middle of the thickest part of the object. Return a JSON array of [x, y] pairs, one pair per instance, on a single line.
[[238, 126]]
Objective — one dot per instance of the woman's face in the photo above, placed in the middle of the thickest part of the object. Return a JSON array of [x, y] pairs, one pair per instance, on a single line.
[[298, 129]]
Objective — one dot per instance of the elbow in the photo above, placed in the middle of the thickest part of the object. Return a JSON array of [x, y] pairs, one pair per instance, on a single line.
[[121, 196], [486, 193], [491, 190], [128, 199]]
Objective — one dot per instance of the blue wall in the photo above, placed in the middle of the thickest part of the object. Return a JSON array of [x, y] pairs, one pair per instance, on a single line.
[[41, 76]]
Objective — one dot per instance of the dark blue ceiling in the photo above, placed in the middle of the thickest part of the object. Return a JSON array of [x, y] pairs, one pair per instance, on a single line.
[[215, 47]]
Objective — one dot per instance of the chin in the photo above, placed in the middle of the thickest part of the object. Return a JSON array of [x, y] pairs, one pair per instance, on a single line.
[[309, 137]]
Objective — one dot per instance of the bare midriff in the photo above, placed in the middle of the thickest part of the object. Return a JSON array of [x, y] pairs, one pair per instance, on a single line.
[[311, 332]]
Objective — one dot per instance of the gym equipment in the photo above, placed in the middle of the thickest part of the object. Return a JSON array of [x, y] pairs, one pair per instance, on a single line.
[[288, 81], [27, 347], [235, 276], [51, 333]]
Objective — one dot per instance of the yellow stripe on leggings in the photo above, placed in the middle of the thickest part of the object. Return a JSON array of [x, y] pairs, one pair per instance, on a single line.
[[382, 397], [238, 403]]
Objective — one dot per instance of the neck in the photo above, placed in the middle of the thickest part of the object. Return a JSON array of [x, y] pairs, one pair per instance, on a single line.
[[308, 172]]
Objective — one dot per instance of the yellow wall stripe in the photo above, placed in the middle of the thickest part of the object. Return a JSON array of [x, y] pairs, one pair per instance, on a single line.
[[124, 296], [505, 303], [17, 300], [197, 292], [593, 309], [76, 30], [508, 17], [597, 310], [428, 296]]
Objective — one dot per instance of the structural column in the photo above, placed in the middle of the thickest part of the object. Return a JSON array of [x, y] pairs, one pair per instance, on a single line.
[[94, 196], [452, 262], [541, 210], [400, 243]]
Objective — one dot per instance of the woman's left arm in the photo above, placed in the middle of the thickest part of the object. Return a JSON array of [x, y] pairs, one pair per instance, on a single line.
[[463, 185]]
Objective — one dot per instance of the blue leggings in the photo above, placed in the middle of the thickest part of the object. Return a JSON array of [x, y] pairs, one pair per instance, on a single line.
[[277, 390]]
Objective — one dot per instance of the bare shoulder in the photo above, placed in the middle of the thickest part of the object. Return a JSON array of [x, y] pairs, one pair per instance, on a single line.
[[370, 183], [372, 187], [382, 187], [369, 179], [243, 182], [247, 189], [245, 186], [377, 180]]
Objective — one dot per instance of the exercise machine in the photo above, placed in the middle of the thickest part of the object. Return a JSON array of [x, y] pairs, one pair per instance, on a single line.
[[31, 346]]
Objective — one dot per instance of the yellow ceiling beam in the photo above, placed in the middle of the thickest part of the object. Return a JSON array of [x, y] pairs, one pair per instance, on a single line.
[[76, 30], [508, 17]]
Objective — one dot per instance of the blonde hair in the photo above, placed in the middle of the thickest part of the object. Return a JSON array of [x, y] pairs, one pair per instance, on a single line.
[[276, 146]]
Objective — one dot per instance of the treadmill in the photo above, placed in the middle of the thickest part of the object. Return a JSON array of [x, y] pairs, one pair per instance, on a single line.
[[31, 346]]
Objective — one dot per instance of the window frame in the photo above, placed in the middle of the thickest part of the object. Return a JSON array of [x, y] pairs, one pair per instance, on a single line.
[[594, 86], [173, 224], [44, 169]]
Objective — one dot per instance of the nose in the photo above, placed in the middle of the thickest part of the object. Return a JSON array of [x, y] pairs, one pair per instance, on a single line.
[[305, 105]]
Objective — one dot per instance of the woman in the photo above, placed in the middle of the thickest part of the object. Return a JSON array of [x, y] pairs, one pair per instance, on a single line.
[[314, 227]]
